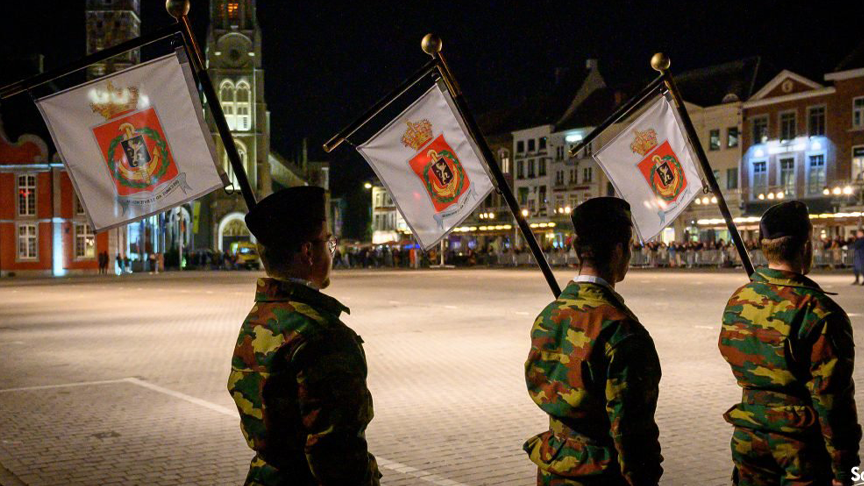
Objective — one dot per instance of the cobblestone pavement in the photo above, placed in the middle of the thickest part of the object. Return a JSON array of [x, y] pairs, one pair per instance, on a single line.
[[122, 380]]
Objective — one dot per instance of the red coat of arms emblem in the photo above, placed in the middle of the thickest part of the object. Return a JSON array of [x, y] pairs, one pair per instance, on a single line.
[[437, 166], [133, 145], [660, 167]]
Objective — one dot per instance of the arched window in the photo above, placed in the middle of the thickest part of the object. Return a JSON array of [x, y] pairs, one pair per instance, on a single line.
[[227, 98], [243, 106], [229, 169]]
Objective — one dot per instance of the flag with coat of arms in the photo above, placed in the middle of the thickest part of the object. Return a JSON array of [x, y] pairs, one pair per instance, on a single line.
[[651, 165], [430, 166], [134, 143]]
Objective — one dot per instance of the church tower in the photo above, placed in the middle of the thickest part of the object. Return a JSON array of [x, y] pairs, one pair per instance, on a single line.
[[235, 67], [112, 22]]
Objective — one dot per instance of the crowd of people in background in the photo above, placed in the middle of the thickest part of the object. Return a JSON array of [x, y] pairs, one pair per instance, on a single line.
[[836, 252]]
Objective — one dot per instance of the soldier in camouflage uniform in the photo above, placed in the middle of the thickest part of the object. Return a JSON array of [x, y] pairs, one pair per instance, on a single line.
[[790, 348], [298, 374], [593, 367]]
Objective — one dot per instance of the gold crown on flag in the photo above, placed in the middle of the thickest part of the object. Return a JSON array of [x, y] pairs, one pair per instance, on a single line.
[[112, 101], [417, 134], [644, 142]]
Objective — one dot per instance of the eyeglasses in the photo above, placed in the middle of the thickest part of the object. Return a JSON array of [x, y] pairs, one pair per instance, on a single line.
[[332, 242]]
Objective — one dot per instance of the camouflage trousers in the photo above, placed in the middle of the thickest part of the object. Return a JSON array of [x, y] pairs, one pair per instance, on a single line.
[[772, 459], [548, 479]]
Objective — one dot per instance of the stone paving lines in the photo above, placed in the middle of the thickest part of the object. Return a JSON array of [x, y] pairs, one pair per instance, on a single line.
[[445, 353]]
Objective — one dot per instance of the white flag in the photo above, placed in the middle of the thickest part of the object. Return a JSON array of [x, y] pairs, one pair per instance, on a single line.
[[430, 166], [653, 168], [134, 143]]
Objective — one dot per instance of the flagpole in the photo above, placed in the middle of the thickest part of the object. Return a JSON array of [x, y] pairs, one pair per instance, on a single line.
[[179, 10], [660, 62], [621, 112], [432, 45]]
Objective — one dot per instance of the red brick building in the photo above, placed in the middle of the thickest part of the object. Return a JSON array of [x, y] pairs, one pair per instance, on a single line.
[[43, 229], [805, 140]]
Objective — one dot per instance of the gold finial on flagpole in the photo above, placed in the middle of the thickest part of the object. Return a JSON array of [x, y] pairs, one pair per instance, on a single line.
[[660, 62], [431, 44], [177, 8]]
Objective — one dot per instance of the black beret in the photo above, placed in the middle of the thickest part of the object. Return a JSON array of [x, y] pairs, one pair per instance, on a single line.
[[789, 218], [601, 218], [285, 217]]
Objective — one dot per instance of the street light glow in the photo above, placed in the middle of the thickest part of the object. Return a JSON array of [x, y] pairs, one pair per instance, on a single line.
[[368, 185], [525, 213], [837, 191], [847, 190]]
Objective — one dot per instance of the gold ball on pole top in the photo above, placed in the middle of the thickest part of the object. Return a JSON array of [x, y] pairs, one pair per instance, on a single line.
[[660, 62], [177, 8], [431, 44]]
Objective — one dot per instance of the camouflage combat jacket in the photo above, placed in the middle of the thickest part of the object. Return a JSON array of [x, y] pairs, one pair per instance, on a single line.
[[298, 377], [791, 349], [594, 369]]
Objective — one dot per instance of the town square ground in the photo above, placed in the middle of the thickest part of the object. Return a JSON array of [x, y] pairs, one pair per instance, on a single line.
[[122, 380]]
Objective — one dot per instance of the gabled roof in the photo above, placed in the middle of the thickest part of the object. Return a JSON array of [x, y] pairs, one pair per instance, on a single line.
[[544, 108], [723, 83], [782, 77], [594, 110]]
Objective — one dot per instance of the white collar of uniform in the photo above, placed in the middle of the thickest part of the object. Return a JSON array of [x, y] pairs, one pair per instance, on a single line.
[[300, 281], [591, 279]]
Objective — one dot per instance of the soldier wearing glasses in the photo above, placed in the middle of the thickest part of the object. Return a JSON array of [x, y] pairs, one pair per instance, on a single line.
[[298, 374]]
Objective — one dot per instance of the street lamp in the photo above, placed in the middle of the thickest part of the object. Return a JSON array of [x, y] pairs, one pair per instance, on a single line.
[[367, 186], [525, 213]]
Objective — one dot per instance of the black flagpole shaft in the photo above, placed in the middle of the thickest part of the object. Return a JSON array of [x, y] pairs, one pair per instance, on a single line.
[[383, 103], [40, 79], [708, 172], [619, 113], [475, 133], [218, 115]]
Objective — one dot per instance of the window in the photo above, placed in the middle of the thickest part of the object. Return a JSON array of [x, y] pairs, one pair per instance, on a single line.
[[816, 121], [520, 169], [858, 112], [714, 140], [531, 166], [85, 241], [787, 126], [587, 174], [559, 153], [520, 146], [716, 175], [572, 176], [542, 199], [27, 195], [504, 157], [858, 163], [732, 178], [226, 98], [243, 106], [542, 171], [559, 178], [531, 145], [732, 137], [542, 143], [523, 196], [27, 242], [787, 176], [233, 10], [760, 129], [816, 173], [610, 189], [79, 208], [760, 178], [229, 169], [531, 206], [588, 150]]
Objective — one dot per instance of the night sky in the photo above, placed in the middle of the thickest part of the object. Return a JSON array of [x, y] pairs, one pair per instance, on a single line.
[[326, 62]]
